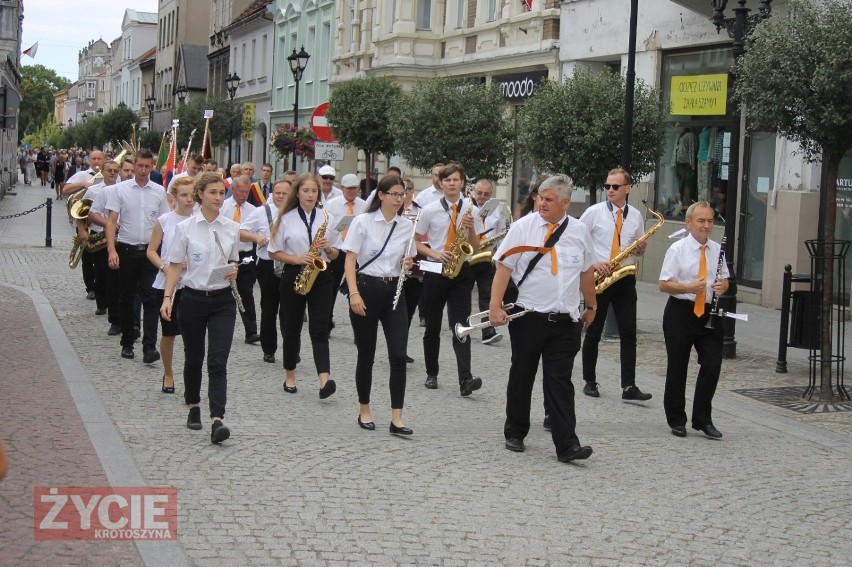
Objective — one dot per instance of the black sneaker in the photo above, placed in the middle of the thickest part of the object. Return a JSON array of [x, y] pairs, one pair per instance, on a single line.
[[634, 393], [470, 385], [546, 422], [101, 311], [591, 389], [90, 296], [150, 356], [219, 432], [193, 421], [127, 352], [431, 382], [114, 330]]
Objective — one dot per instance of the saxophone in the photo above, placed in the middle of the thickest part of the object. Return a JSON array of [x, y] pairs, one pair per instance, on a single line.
[[309, 272], [460, 248], [487, 246], [617, 272]]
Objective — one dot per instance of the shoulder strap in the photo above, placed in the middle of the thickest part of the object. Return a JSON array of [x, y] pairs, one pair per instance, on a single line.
[[373, 259], [554, 238]]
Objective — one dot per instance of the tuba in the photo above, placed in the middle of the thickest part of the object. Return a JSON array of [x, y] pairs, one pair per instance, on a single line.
[[617, 271], [309, 272], [460, 248]]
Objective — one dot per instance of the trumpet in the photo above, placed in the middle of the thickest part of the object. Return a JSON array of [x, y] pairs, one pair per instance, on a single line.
[[462, 331]]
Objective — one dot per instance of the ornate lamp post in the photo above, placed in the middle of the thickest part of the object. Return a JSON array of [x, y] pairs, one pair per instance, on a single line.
[[232, 82], [181, 93], [298, 62], [150, 102]]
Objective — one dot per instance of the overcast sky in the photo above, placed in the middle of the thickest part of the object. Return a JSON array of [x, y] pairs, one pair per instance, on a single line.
[[63, 28]]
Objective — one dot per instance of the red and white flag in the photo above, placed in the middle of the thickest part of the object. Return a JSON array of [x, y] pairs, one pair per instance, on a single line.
[[32, 50]]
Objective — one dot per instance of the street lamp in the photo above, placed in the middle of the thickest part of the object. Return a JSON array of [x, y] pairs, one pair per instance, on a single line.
[[149, 102], [181, 93], [100, 112], [60, 126], [70, 122], [84, 117], [298, 62], [232, 82]]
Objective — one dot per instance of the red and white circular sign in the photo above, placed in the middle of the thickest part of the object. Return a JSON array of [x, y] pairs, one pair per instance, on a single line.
[[319, 124]]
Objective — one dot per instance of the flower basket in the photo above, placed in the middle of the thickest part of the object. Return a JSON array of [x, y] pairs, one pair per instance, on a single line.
[[289, 139]]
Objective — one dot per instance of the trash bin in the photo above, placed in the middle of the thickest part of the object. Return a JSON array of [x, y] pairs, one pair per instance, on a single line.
[[804, 319]]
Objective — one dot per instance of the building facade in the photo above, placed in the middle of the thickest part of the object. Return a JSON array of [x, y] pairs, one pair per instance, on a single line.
[[11, 17], [93, 62], [138, 36]]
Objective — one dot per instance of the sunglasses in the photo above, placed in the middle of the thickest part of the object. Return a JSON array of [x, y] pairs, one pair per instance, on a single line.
[[328, 177], [615, 186]]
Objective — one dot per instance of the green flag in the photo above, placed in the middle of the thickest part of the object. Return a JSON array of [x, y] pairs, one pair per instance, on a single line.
[[163, 155]]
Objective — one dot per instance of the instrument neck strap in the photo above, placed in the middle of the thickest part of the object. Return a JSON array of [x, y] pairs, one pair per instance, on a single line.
[[542, 250], [373, 259], [308, 225], [446, 206], [611, 208]]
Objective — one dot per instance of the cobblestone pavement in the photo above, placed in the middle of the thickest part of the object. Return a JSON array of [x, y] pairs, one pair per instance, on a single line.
[[300, 484]]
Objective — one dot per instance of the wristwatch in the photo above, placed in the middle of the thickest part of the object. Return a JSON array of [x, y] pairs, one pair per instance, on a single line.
[[591, 307]]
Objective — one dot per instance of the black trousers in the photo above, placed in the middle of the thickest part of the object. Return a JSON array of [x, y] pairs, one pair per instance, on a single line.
[[483, 275], [336, 269], [378, 299], [208, 319], [412, 289], [556, 344], [100, 260], [683, 330], [113, 294], [622, 296], [293, 313], [270, 303], [246, 277], [87, 265], [135, 270], [455, 294]]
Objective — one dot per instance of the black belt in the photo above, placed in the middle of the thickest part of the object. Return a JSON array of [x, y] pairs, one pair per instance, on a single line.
[[207, 293], [553, 317], [246, 253], [136, 247], [379, 279]]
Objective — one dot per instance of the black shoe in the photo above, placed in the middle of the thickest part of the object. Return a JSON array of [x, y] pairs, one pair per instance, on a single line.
[[431, 382], [114, 330], [290, 389], [90, 295], [127, 352], [101, 311], [327, 390], [591, 389], [170, 389], [400, 430], [515, 444], [634, 393], [708, 430], [546, 422], [150, 356], [253, 339], [368, 425], [576, 453], [219, 432], [409, 360], [422, 322], [193, 421], [679, 431], [136, 333], [492, 338], [470, 385], [269, 358]]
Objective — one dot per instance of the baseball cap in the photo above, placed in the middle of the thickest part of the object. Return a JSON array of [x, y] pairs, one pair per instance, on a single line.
[[327, 170], [350, 180]]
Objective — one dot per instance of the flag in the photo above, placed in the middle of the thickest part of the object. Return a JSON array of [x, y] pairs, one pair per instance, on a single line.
[[170, 160], [32, 50], [163, 154], [207, 144]]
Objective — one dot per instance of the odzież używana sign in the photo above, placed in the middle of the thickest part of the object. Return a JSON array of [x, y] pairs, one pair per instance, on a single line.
[[699, 95]]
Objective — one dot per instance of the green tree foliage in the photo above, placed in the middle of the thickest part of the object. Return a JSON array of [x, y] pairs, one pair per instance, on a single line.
[[117, 125], [151, 140], [360, 110], [446, 120], [38, 83], [575, 128], [796, 78], [227, 122], [47, 134]]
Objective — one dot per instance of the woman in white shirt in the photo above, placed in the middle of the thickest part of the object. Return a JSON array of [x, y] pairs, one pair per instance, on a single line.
[[296, 227], [207, 243], [163, 233], [376, 243]]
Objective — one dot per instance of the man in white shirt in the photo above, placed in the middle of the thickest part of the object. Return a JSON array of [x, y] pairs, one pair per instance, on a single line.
[[327, 189], [94, 225], [193, 168], [261, 189], [98, 216], [236, 207], [434, 191], [483, 272], [78, 182]]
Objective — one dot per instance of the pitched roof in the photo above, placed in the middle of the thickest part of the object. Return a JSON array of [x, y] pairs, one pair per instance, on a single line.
[[194, 59], [253, 8]]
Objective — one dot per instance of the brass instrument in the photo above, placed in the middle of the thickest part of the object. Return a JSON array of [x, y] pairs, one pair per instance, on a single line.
[[77, 248], [462, 331], [460, 248], [617, 271], [489, 245], [309, 272], [403, 273]]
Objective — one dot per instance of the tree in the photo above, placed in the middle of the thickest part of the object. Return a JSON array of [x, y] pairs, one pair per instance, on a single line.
[[575, 128], [46, 134], [359, 111], [151, 140], [117, 125], [796, 79], [227, 122], [38, 83], [446, 120]]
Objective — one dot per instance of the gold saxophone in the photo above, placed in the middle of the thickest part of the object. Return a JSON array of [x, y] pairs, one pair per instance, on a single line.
[[460, 248], [487, 246], [617, 271], [308, 274]]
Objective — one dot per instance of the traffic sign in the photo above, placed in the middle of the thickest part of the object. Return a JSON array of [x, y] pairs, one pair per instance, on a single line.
[[329, 151], [319, 124]]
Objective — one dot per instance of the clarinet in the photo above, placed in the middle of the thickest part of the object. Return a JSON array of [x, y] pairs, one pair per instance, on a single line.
[[714, 304], [403, 273], [234, 291]]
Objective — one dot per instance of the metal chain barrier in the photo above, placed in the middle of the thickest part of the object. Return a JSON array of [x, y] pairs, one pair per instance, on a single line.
[[16, 215]]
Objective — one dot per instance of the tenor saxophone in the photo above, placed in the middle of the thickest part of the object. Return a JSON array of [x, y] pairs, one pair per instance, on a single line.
[[309, 272], [617, 271], [460, 248]]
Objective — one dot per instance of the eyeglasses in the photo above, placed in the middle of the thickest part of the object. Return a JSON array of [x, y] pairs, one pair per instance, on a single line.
[[615, 186], [112, 171], [395, 195], [328, 177]]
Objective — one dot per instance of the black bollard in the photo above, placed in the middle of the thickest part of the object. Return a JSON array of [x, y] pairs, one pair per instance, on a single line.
[[48, 239]]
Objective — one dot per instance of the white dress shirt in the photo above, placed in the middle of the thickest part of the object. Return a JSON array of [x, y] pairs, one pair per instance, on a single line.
[[427, 196], [292, 234], [195, 244], [435, 221], [81, 176], [541, 290], [494, 223], [99, 201], [339, 207], [258, 223], [168, 222], [600, 220], [138, 207], [682, 262], [229, 207], [92, 193], [367, 235], [334, 192]]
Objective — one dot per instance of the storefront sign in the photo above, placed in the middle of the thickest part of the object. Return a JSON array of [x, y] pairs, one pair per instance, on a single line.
[[519, 86], [699, 95], [248, 121]]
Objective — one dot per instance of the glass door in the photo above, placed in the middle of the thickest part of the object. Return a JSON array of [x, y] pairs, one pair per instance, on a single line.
[[760, 179]]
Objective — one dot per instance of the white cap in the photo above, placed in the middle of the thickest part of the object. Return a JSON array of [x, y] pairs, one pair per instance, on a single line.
[[350, 180], [327, 170]]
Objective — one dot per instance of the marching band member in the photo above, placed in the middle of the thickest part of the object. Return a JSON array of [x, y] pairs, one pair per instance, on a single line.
[[440, 220], [684, 276], [78, 182], [433, 192], [257, 228], [295, 231], [550, 283], [182, 192], [95, 224], [237, 207], [205, 243], [375, 244], [483, 272], [327, 189]]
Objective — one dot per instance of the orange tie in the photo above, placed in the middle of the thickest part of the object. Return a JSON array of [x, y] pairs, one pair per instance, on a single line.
[[451, 234], [702, 273], [237, 214], [616, 236], [351, 211], [554, 264]]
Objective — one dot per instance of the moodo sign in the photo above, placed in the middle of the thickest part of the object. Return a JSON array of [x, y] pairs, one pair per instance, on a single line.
[[519, 86]]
